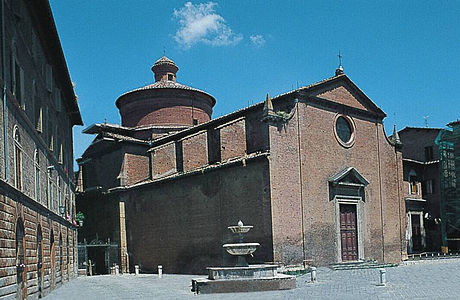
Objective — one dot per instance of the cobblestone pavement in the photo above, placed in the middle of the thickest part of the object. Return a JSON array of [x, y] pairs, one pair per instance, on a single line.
[[438, 279]]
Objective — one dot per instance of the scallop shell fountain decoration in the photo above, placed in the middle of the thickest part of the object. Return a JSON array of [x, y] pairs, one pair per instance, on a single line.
[[241, 249]]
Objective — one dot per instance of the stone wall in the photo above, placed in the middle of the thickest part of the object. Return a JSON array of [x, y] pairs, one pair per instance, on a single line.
[[53, 272]]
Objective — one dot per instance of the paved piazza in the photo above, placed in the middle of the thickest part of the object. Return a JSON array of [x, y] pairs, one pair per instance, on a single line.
[[438, 279]]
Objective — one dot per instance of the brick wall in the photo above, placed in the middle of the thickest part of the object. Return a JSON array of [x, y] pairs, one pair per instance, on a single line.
[[195, 151], [184, 221], [285, 193], [136, 168], [256, 132], [232, 139], [164, 160], [416, 139], [305, 150], [164, 107]]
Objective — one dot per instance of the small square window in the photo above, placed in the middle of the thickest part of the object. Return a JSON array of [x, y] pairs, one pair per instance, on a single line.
[[170, 77], [195, 122]]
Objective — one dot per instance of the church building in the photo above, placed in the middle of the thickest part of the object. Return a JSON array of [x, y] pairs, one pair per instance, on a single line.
[[312, 170]]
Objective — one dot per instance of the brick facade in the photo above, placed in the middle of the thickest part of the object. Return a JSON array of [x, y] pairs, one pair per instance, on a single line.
[[36, 163], [272, 171]]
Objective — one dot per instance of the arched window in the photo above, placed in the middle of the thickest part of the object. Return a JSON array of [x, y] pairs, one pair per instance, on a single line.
[[20, 252], [37, 175], [17, 158], [17, 76]]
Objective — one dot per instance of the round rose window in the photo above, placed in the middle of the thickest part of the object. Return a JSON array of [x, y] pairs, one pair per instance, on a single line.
[[344, 130]]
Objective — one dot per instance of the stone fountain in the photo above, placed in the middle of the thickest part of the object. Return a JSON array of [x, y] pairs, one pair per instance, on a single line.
[[241, 249], [242, 277]]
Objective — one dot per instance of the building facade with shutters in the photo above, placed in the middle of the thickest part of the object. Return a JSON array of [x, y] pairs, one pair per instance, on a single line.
[[312, 170], [37, 112]]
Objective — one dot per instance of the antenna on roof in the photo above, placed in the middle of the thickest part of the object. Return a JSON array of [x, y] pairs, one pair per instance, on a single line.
[[164, 51], [426, 120]]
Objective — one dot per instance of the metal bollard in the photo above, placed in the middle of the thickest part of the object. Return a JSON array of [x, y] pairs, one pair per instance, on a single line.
[[160, 271], [136, 270], [117, 270], [313, 274], [383, 278]]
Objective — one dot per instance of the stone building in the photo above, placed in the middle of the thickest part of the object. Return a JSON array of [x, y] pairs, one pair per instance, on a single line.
[[38, 110], [312, 170]]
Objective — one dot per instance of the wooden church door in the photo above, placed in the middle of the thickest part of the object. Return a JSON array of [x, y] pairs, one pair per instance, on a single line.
[[348, 232]]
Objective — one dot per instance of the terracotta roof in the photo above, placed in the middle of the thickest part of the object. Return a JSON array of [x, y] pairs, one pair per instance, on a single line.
[[164, 60], [242, 110], [166, 84]]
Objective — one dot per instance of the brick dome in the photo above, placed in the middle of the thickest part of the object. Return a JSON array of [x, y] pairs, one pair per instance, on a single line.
[[165, 102]]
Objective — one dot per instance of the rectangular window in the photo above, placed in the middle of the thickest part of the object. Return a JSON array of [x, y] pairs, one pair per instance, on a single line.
[[18, 167], [429, 153], [61, 154], [59, 200], [51, 146], [40, 120], [413, 187], [18, 82], [21, 100], [37, 183]]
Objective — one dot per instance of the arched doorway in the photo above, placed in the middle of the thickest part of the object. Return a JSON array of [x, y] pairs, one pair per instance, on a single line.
[[52, 259], [39, 261], [20, 261]]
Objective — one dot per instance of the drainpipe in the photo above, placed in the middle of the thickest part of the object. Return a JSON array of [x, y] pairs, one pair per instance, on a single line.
[[5, 119]]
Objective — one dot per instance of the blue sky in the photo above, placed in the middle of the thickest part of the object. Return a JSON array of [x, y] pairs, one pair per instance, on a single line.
[[405, 55]]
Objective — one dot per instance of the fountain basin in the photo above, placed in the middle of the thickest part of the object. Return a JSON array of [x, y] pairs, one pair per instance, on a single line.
[[241, 248], [237, 273], [240, 229]]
